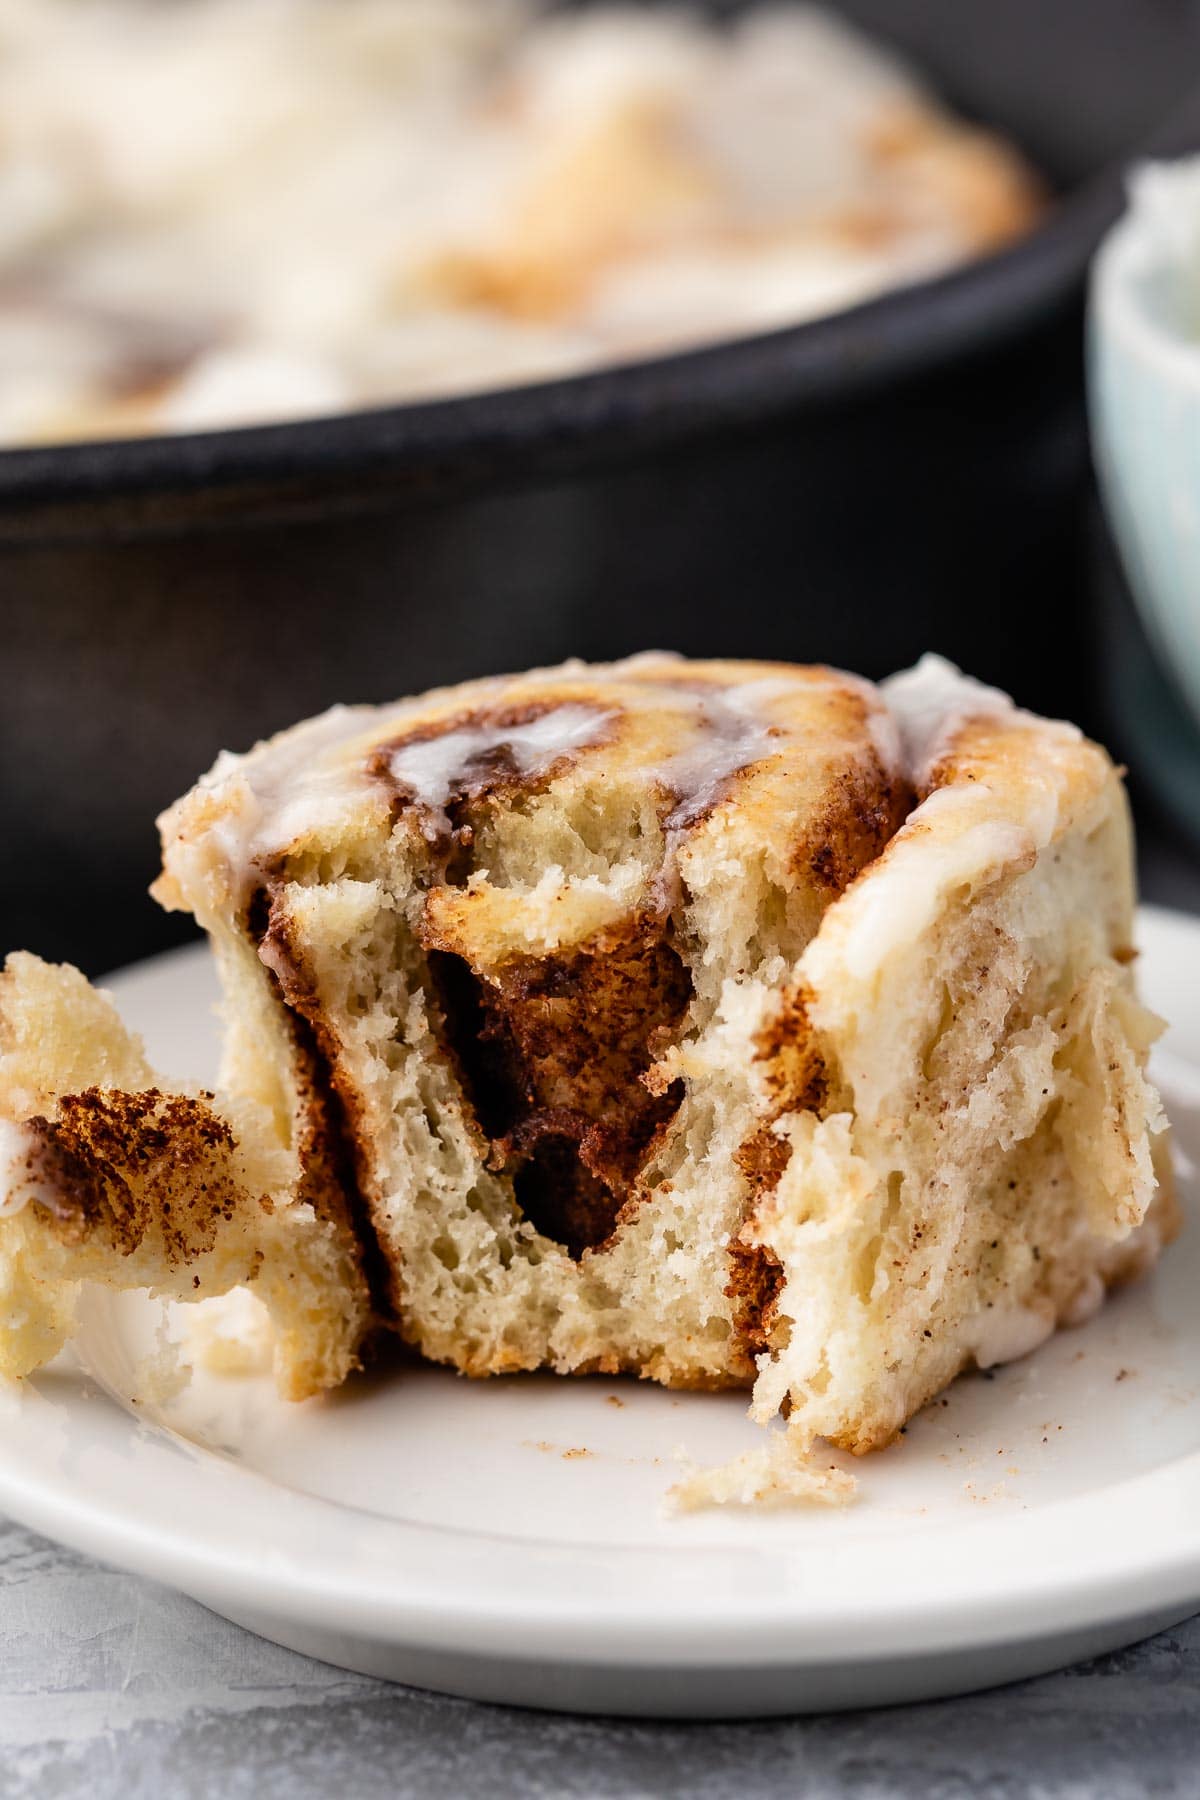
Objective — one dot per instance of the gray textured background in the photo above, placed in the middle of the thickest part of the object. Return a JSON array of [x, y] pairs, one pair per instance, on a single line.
[[112, 1686]]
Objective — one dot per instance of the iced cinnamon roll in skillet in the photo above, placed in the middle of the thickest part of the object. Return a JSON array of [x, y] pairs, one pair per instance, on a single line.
[[223, 213]]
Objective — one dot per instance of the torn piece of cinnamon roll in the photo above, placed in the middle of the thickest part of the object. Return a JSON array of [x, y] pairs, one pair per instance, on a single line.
[[724, 1023], [108, 1174]]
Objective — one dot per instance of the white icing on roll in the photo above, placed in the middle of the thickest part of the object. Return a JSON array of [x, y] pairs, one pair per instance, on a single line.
[[1086, 1301], [282, 790], [433, 768], [931, 703], [961, 838], [1006, 1333], [732, 733], [305, 780], [302, 784]]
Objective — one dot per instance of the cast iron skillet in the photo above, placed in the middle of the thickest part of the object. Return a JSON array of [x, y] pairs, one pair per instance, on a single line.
[[907, 474]]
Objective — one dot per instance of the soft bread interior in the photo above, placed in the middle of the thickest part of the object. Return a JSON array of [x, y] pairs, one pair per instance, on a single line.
[[627, 973]]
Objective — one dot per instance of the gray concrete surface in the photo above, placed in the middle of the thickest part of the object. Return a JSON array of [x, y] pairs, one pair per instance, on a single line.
[[110, 1686]]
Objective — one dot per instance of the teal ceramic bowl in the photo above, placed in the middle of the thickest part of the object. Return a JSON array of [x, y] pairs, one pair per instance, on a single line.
[[1144, 395]]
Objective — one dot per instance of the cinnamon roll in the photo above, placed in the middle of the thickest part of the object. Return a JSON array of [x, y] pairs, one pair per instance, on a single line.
[[729, 1024]]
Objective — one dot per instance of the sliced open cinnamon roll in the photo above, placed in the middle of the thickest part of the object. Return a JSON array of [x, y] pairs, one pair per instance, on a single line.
[[725, 1023]]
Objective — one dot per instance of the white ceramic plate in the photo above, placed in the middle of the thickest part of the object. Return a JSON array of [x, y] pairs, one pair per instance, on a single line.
[[505, 1539]]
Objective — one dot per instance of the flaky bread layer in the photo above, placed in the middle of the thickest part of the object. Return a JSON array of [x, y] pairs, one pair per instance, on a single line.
[[989, 1155], [113, 1178]]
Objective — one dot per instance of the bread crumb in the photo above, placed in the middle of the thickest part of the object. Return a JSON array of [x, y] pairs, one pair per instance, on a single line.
[[777, 1474]]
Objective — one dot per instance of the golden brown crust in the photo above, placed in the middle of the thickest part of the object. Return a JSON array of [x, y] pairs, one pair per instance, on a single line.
[[868, 807]]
